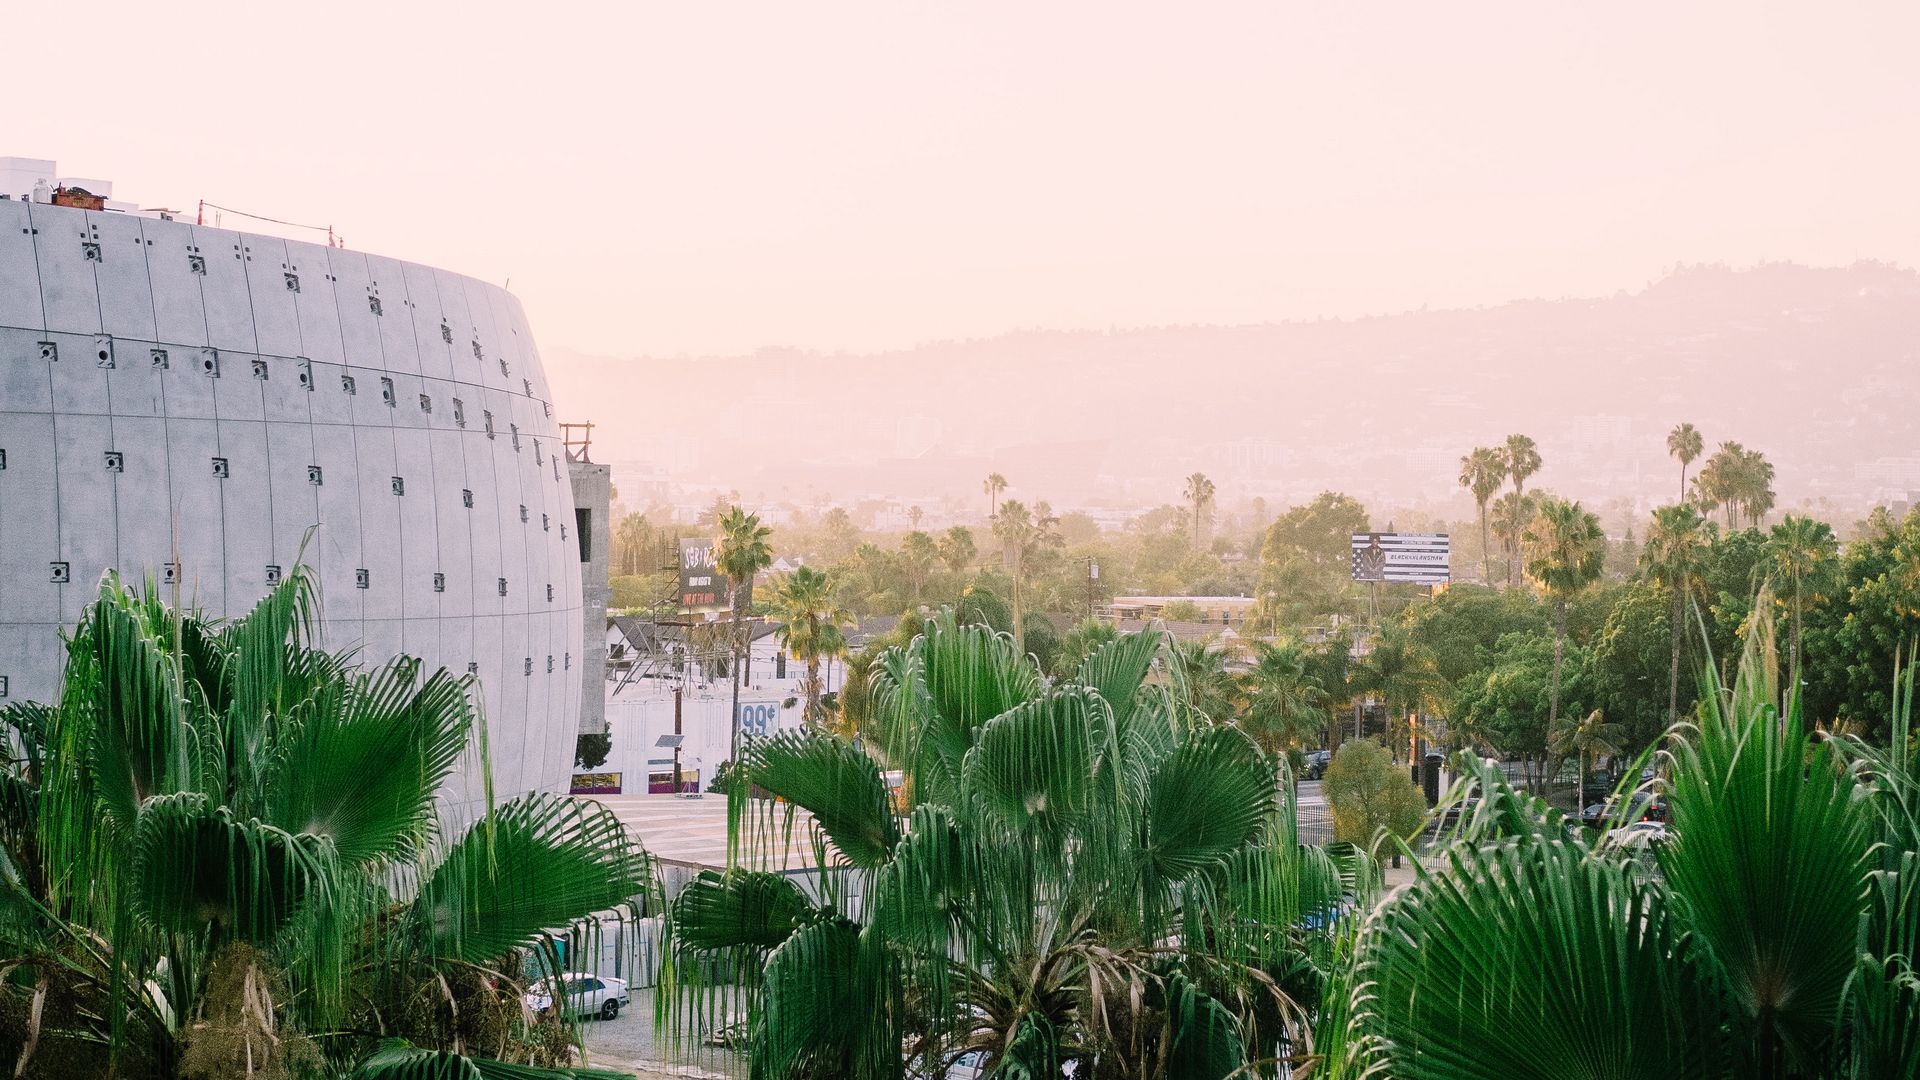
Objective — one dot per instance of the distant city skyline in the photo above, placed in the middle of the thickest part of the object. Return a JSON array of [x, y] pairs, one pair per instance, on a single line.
[[867, 176]]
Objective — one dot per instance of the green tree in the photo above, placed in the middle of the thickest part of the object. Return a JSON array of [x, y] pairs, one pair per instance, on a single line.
[[1586, 739], [1034, 903], [223, 857], [1677, 544], [1285, 704], [919, 553], [1565, 552], [1522, 460], [1367, 792], [1205, 691], [957, 549], [1398, 668], [1629, 656], [742, 551], [1805, 555], [1306, 561], [1024, 535], [993, 486], [811, 627], [1482, 472], [1199, 492], [1684, 445], [1511, 514]]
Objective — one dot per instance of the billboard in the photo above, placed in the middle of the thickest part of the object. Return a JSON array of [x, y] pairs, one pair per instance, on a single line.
[[1410, 558], [702, 586]]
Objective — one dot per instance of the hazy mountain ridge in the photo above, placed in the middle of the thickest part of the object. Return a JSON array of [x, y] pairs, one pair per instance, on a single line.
[[1812, 366]]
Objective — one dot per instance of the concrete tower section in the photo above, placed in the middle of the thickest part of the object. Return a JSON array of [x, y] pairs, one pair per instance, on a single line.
[[189, 402]]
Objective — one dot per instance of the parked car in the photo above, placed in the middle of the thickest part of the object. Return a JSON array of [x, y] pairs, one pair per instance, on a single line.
[[1316, 764], [587, 995], [1640, 834], [1599, 785], [1594, 814]]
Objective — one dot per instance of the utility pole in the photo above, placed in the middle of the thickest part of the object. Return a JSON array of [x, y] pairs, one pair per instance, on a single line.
[[677, 740], [1093, 575]]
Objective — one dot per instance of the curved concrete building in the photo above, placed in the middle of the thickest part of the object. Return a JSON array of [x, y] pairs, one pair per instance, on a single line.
[[190, 401]]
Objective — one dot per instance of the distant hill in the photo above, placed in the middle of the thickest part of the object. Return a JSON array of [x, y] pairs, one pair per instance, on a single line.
[[1815, 367]]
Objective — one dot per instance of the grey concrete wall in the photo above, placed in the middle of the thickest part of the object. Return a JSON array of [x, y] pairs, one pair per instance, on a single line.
[[592, 500], [183, 400]]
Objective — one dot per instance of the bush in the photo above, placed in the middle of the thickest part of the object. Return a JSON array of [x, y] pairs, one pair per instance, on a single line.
[[590, 751], [1366, 791]]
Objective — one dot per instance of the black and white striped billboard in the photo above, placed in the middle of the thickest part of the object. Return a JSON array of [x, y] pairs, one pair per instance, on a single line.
[[1414, 558]]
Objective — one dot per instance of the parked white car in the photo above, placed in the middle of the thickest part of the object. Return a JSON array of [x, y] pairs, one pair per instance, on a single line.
[[587, 995]]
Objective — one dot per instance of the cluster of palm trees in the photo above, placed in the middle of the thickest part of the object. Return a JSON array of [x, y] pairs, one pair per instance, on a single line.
[[1734, 479], [1483, 471]]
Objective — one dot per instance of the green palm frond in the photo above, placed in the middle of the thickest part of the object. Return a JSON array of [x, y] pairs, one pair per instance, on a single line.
[[1206, 1041], [196, 867], [1117, 669], [1530, 960], [394, 1059], [363, 771], [739, 908], [935, 694], [1884, 1000], [532, 865], [1206, 801], [829, 994], [1756, 804], [1033, 764], [836, 783]]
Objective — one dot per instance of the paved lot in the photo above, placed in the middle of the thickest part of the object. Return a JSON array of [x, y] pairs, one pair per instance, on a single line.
[[693, 831]]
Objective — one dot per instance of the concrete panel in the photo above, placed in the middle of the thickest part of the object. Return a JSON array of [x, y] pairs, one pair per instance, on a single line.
[[413, 461], [180, 320], [26, 381], [239, 393], [133, 383], [195, 507], [247, 511], [284, 393], [453, 303], [480, 310], [483, 523], [452, 523], [126, 296], [29, 528], [87, 539], [359, 327], [406, 408], [317, 306], [432, 334], [335, 549], [295, 505], [31, 659], [330, 403], [19, 269], [379, 517], [396, 322], [223, 290], [186, 389], [79, 384], [276, 318], [145, 520], [69, 297]]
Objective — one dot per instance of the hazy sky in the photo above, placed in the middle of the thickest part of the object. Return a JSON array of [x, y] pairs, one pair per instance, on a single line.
[[658, 178]]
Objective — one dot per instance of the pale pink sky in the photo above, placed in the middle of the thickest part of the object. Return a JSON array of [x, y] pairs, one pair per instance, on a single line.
[[697, 177]]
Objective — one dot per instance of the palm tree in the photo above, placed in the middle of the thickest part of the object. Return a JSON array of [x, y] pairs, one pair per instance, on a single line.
[[957, 548], [223, 857], [742, 551], [1199, 495], [1070, 883], [1684, 443], [1398, 667], [1804, 552], [1677, 543], [1204, 690], [1780, 925], [1590, 738], [811, 622], [632, 536], [918, 555], [1482, 472], [914, 514], [1511, 514], [1284, 702], [1523, 460], [993, 486], [1565, 552], [1023, 535]]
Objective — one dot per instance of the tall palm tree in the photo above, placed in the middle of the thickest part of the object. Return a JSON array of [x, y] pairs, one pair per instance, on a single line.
[[811, 624], [919, 553], [1677, 543], [1023, 535], [742, 551], [1565, 553], [1284, 701], [1684, 443], [1199, 495], [993, 486], [632, 535], [1204, 690], [957, 548], [1589, 739], [1511, 514], [1065, 882], [1804, 553], [1523, 460], [1482, 472], [914, 514], [1398, 667], [223, 857]]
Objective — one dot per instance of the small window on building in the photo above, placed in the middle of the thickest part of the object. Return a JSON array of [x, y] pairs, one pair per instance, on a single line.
[[583, 524]]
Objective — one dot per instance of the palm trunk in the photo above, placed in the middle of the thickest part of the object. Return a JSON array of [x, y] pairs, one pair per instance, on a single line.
[[1794, 649], [813, 691], [1683, 481], [1019, 615], [738, 647], [1486, 557]]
